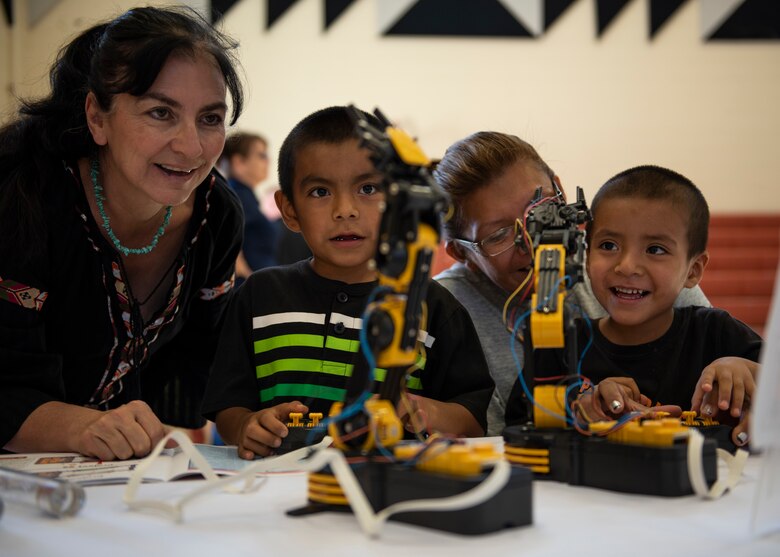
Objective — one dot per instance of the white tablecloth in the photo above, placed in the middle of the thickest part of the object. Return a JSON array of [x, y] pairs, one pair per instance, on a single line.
[[568, 521]]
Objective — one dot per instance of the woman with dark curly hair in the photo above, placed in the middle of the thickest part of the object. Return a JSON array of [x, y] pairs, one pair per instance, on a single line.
[[117, 238]]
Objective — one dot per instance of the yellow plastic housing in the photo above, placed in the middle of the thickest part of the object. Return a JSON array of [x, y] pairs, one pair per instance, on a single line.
[[455, 460], [538, 460], [547, 328], [650, 433], [384, 425], [407, 148], [553, 398]]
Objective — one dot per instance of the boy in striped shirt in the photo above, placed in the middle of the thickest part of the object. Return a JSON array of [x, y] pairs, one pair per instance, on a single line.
[[291, 334]]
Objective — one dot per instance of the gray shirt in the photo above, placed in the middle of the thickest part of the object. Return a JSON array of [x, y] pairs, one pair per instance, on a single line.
[[485, 302]]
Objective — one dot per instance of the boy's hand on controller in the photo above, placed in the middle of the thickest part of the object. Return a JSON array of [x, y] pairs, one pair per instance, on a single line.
[[726, 387], [261, 432], [616, 396]]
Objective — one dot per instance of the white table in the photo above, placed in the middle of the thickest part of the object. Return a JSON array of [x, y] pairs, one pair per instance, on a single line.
[[568, 521]]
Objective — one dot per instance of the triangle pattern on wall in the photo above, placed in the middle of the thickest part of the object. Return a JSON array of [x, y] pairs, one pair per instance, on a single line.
[[334, 9], [486, 18], [8, 10], [527, 12], [720, 19], [390, 11], [276, 9], [606, 11], [553, 10], [752, 19], [714, 13], [660, 12], [220, 7]]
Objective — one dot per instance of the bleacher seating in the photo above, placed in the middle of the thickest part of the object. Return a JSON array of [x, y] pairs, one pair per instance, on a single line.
[[740, 276]]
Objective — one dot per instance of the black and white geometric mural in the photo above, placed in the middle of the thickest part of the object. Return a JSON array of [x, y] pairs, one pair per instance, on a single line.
[[661, 12], [8, 11], [719, 19], [740, 20], [276, 9], [333, 10], [489, 18]]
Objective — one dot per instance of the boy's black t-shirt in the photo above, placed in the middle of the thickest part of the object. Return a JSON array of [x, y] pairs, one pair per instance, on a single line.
[[291, 334], [666, 370]]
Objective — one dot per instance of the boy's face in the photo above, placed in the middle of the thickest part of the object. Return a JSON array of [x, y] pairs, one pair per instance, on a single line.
[[495, 206], [638, 263], [336, 206]]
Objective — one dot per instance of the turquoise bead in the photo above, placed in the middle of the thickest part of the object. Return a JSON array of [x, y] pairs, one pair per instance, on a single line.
[[100, 199]]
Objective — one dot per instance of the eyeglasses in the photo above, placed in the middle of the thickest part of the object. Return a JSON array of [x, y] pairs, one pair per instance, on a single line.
[[498, 242]]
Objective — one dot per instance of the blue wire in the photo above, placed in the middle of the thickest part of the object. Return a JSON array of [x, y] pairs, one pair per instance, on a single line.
[[568, 417], [382, 448], [347, 412], [588, 344], [364, 346], [357, 406], [519, 366]]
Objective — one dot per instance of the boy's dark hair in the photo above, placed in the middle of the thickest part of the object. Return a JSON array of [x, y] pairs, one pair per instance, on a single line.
[[329, 125], [123, 55], [475, 161], [239, 143], [656, 182]]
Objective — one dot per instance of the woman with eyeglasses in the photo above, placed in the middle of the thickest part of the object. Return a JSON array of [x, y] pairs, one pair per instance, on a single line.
[[492, 179]]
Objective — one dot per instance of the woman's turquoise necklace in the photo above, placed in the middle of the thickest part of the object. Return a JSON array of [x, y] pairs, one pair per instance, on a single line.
[[100, 200]]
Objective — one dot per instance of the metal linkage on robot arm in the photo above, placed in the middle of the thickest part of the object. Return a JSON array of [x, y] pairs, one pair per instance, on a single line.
[[559, 254], [555, 223], [408, 237], [412, 197]]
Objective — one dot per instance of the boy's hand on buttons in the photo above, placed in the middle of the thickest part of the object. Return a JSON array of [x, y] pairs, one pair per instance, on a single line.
[[261, 432]]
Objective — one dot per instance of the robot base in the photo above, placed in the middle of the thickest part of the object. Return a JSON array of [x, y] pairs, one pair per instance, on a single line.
[[598, 462], [387, 483]]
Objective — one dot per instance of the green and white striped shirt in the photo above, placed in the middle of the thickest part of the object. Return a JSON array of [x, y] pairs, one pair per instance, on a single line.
[[290, 335]]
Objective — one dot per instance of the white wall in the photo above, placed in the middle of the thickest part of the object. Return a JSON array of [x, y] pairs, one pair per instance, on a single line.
[[31, 52], [591, 106]]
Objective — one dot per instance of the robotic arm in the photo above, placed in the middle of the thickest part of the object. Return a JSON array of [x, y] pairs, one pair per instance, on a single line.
[[446, 478], [408, 237], [653, 456], [559, 254]]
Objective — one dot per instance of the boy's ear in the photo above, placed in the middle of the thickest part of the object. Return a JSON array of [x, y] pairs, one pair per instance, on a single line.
[[96, 120], [287, 210], [696, 269]]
